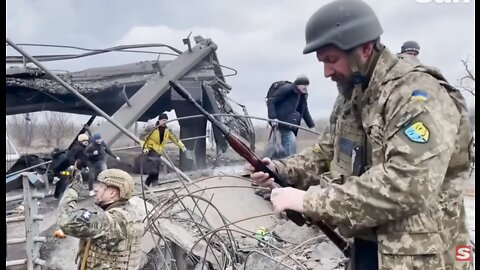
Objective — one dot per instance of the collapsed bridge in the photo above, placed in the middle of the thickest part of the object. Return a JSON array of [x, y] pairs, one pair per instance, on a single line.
[[135, 92]]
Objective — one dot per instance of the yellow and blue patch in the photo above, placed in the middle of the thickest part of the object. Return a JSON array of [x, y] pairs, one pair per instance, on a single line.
[[419, 95], [417, 132]]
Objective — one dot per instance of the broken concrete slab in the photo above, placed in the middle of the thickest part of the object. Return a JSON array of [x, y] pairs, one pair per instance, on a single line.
[[259, 261], [325, 250], [242, 203], [290, 232]]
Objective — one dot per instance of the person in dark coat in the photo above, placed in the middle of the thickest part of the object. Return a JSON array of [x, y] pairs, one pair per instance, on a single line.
[[96, 153], [289, 104], [58, 167]]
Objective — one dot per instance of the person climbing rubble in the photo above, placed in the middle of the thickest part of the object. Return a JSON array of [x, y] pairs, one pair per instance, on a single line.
[[153, 147]]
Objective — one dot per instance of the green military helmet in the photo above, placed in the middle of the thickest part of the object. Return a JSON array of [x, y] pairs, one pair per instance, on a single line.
[[119, 179], [410, 47], [343, 23]]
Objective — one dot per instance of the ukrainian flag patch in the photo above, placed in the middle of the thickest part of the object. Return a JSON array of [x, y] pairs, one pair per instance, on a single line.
[[417, 132], [419, 95]]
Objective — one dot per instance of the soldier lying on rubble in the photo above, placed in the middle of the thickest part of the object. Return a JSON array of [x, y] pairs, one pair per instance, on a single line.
[[399, 156], [110, 239]]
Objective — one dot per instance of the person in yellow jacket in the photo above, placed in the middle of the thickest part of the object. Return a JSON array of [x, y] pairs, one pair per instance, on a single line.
[[153, 147]]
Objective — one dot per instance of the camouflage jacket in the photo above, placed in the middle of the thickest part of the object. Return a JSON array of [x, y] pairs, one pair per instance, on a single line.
[[419, 134]]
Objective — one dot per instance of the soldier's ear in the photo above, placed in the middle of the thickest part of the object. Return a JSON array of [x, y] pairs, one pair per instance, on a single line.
[[115, 192], [112, 192]]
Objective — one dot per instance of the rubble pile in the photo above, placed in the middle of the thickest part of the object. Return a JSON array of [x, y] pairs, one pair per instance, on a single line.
[[228, 237]]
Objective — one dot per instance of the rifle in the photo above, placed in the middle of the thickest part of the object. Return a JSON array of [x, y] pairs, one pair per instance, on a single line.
[[241, 148]]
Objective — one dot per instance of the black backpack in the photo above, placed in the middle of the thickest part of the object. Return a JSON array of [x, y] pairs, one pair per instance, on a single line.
[[273, 88]]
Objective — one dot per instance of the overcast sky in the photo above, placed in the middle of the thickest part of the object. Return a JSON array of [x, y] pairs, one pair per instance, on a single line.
[[262, 40]]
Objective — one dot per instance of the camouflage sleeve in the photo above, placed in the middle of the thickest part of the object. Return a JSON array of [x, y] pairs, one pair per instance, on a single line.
[[411, 152], [85, 224], [303, 170]]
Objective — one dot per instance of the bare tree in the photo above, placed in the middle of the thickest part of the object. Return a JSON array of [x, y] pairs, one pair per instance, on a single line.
[[56, 129], [467, 82], [22, 128]]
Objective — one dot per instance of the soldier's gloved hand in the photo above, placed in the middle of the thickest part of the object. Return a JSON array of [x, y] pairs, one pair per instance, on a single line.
[[86, 169], [184, 149], [261, 178], [117, 158], [146, 150], [77, 182], [95, 152]]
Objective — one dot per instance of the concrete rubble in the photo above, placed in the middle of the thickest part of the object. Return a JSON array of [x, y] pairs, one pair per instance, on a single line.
[[196, 220]]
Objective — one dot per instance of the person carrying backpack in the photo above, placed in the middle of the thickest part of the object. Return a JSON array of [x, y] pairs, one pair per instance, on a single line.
[[153, 146], [288, 102]]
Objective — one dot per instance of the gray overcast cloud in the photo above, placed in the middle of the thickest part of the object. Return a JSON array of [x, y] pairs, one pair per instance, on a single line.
[[263, 40]]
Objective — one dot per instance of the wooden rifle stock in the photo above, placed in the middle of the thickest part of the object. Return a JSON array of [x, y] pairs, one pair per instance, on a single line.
[[243, 150]]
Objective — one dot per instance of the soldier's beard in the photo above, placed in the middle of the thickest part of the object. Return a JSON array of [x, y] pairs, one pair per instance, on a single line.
[[344, 85], [345, 90]]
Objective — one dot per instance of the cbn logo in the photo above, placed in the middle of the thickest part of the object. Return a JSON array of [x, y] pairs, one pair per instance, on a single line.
[[443, 1]]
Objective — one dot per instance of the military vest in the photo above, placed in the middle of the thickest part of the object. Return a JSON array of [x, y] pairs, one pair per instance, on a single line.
[[352, 152], [125, 255], [350, 143]]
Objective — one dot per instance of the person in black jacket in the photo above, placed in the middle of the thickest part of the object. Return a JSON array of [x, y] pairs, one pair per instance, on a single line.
[[75, 156], [96, 153], [58, 167], [289, 104]]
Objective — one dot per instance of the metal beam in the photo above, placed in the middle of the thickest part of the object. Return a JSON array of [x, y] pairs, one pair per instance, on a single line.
[[153, 89], [16, 262], [93, 106]]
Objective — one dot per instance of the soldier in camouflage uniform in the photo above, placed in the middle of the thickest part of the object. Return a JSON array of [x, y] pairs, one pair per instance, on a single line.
[[410, 51], [399, 154], [409, 48], [109, 239]]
